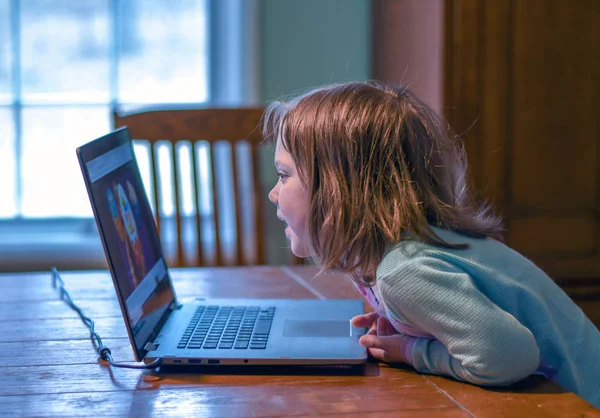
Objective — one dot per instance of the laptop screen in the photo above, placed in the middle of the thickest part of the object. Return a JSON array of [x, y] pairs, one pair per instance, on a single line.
[[127, 228]]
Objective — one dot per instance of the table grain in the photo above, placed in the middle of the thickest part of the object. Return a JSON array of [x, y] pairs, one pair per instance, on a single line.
[[48, 365]]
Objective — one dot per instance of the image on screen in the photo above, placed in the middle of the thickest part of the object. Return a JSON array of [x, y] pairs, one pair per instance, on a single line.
[[128, 227]]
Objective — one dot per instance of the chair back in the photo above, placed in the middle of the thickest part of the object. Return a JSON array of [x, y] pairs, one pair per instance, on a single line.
[[222, 222]]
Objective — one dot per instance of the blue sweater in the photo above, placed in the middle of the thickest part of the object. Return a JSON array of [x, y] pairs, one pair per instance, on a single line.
[[494, 316]]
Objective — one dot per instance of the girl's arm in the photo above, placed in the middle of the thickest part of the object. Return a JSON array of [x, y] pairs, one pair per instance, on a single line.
[[476, 341]]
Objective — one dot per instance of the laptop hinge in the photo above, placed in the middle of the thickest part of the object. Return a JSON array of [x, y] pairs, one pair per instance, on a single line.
[[175, 305], [150, 346]]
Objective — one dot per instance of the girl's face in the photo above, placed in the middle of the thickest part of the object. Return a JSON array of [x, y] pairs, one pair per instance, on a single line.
[[291, 199]]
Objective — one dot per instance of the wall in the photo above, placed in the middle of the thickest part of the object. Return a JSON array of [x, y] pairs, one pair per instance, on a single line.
[[408, 46], [305, 44]]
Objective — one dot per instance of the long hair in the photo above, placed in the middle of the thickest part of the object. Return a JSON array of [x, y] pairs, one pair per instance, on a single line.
[[379, 166]]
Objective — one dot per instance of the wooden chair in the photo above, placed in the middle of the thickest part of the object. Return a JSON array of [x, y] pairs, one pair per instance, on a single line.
[[234, 126]]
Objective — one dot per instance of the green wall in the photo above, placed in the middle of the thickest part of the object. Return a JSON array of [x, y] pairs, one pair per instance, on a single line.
[[306, 44]]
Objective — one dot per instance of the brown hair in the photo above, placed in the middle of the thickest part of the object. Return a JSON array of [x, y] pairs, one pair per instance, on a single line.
[[378, 164]]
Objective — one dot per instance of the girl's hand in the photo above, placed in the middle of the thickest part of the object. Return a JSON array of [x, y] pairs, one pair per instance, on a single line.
[[378, 325], [386, 344], [368, 320]]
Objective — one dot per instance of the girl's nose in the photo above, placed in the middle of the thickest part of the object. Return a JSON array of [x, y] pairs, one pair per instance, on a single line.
[[273, 195]]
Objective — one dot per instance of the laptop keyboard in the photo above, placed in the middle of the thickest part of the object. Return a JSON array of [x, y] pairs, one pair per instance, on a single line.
[[228, 327]]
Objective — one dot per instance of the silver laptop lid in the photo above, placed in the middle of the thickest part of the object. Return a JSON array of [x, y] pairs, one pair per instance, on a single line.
[[128, 233]]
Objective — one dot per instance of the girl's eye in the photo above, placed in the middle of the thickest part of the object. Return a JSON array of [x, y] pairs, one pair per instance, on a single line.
[[282, 176]]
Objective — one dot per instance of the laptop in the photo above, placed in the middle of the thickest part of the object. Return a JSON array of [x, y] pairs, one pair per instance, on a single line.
[[199, 331]]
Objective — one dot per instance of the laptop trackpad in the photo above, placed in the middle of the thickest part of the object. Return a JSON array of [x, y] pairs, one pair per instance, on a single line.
[[311, 328]]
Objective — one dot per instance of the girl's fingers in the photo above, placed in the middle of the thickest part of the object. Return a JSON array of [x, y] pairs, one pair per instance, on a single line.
[[384, 327], [388, 349], [363, 321], [378, 354], [390, 328], [376, 347]]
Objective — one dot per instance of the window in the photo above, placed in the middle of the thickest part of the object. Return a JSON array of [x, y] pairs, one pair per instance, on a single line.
[[64, 66]]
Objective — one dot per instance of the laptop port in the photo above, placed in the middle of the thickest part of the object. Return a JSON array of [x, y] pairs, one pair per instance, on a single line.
[[194, 361], [214, 361]]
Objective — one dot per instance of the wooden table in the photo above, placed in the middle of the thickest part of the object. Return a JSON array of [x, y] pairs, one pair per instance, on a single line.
[[48, 366]]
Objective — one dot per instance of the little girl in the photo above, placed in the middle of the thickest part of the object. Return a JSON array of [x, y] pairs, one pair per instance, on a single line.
[[372, 184]]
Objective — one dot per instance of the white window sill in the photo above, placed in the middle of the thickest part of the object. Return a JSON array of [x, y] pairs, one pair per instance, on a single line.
[[40, 251], [74, 244]]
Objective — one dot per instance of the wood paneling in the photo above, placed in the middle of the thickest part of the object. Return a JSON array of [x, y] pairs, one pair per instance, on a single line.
[[521, 87]]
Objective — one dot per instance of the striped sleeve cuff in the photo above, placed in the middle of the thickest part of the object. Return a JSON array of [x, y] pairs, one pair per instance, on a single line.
[[407, 349]]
